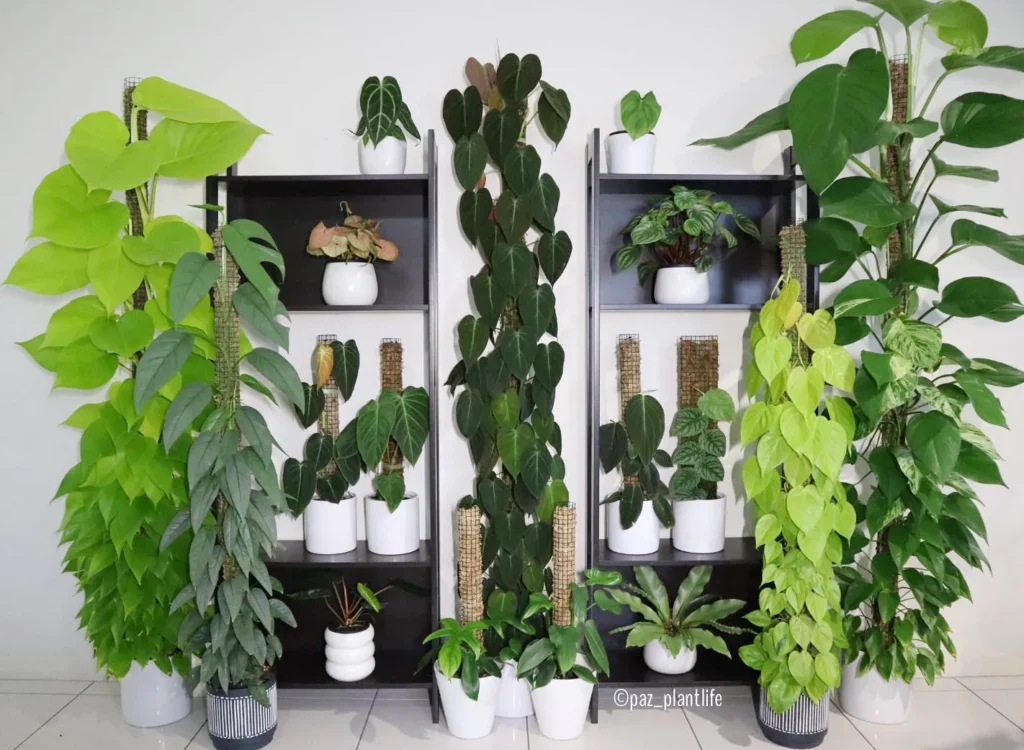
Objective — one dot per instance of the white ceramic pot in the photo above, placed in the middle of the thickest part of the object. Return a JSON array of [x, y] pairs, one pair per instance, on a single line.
[[349, 654], [514, 695], [873, 699], [681, 285], [330, 528], [561, 707], [468, 719], [349, 283], [642, 538], [395, 533], [150, 698], [699, 526], [626, 156], [660, 659], [387, 157]]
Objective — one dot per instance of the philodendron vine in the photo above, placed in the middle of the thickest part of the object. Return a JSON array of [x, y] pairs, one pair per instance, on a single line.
[[509, 367], [126, 488], [913, 385], [802, 508]]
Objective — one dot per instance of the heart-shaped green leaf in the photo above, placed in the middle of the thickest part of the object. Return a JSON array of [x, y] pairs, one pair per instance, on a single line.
[[517, 78], [645, 424], [983, 120], [473, 338], [412, 422], [488, 296], [469, 412], [470, 160], [124, 336], [522, 169], [346, 366], [96, 148], [462, 112], [536, 306], [475, 208], [549, 364], [512, 445], [374, 424], [501, 133], [513, 266], [544, 202], [553, 252], [518, 349], [514, 215]]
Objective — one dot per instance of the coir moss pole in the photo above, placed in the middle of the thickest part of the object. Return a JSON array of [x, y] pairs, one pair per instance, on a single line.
[[697, 374]]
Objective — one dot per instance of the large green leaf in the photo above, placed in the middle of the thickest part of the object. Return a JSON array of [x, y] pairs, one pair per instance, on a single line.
[[536, 470], [505, 408], [518, 347], [640, 114], [279, 372], [113, 275], [470, 159], [864, 200], [537, 306], [239, 238], [553, 251], [517, 78], [864, 297], [967, 232], [513, 266], [193, 277], [549, 364], [501, 132], [475, 208], [986, 404], [488, 296], [82, 365], [187, 405], [544, 202], [162, 361], [965, 208], [906, 12], [973, 463], [299, 483], [473, 336], [959, 24], [374, 424], [975, 296], [522, 169], [934, 439], [771, 121], [514, 214], [915, 272], [312, 406], [553, 112], [192, 151], [983, 120], [645, 424], [972, 173], [254, 311], [67, 213], [826, 33], [469, 412], [50, 269], [512, 445], [180, 103], [124, 336], [98, 149], [1009, 58], [462, 112], [379, 101], [345, 370], [412, 422]]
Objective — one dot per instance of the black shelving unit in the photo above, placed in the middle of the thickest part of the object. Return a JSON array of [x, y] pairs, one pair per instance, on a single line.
[[289, 206], [741, 280]]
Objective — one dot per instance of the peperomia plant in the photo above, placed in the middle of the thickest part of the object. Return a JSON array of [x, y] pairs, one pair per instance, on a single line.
[[382, 112], [125, 489], [462, 654], [640, 114], [392, 427], [702, 446], [679, 231], [633, 447], [803, 511], [913, 386]]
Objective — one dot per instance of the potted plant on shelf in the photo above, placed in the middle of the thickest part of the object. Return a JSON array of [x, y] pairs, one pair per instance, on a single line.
[[353, 248], [349, 638], [678, 234], [922, 455], [698, 507], [631, 151], [671, 632], [467, 678], [390, 430], [384, 120], [317, 488], [126, 488]]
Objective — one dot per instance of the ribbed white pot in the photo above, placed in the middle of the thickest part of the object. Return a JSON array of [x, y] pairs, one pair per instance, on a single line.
[[681, 285], [349, 283], [561, 707], [349, 654], [699, 526], [873, 699], [642, 538], [387, 157], [395, 533], [514, 695], [330, 528], [468, 719], [150, 698], [660, 659], [626, 156]]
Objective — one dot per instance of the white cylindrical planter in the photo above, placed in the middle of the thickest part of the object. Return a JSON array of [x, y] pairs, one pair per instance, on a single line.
[[626, 156], [514, 695], [699, 526], [349, 283], [387, 157], [642, 538], [349, 653], [660, 659], [873, 699], [468, 719], [395, 533], [681, 285], [561, 707], [150, 698], [330, 528]]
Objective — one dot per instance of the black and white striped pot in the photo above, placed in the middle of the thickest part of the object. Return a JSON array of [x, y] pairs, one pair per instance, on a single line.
[[802, 726], [236, 721]]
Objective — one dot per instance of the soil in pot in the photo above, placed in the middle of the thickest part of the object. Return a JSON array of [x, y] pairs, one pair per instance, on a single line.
[[236, 721]]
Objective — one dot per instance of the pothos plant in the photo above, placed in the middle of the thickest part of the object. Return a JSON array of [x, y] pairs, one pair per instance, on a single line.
[[702, 446], [509, 369], [911, 391], [126, 488], [633, 447], [803, 510], [382, 112]]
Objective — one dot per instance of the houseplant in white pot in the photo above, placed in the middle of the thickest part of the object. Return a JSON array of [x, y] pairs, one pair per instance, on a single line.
[[349, 638], [467, 678], [677, 234], [353, 248], [671, 632], [384, 120], [698, 506], [631, 151]]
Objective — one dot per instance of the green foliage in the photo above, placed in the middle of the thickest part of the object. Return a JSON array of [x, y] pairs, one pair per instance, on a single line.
[[702, 445], [462, 654], [382, 112], [351, 611], [640, 114], [393, 420]]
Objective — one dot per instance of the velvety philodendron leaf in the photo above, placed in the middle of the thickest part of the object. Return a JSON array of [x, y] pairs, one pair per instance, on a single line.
[[312, 405], [549, 364], [194, 151], [299, 482], [613, 443], [553, 252], [279, 372], [544, 202], [180, 103], [645, 424], [825, 34], [517, 78], [470, 159], [959, 24], [473, 336], [553, 112], [772, 121], [67, 213], [411, 422], [522, 169], [488, 296], [512, 444], [96, 148], [536, 469], [374, 424], [514, 215], [518, 348], [462, 112], [162, 361], [513, 266], [345, 368], [536, 306], [501, 132], [983, 120], [475, 208], [469, 412]]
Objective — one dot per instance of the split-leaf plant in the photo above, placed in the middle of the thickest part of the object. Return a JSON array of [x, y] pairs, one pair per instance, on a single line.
[[119, 260], [233, 487], [508, 368], [802, 508], [632, 445], [702, 446], [382, 112], [919, 447]]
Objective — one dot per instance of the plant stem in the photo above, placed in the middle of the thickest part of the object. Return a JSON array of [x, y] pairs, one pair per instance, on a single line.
[[863, 265], [926, 235], [152, 196], [867, 170], [924, 164], [950, 252], [927, 312], [931, 94], [910, 74]]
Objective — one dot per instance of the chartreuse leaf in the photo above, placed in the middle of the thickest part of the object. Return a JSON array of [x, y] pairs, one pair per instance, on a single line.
[[113, 275], [98, 149], [82, 365], [125, 335], [180, 103], [192, 151], [48, 268], [959, 24], [64, 211]]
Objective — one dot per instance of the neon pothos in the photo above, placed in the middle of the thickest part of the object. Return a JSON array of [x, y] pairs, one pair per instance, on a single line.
[[913, 385], [702, 446]]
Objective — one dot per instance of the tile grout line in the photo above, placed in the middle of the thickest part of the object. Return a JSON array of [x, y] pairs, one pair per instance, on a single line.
[[1020, 728], [853, 724], [365, 723], [526, 720], [55, 714], [692, 731]]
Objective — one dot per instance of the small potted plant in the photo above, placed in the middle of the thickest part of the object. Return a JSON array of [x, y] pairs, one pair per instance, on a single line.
[[698, 507], [384, 120], [671, 632], [631, 151], [349, 638], [352, 247], [467, 678], [678, 233]]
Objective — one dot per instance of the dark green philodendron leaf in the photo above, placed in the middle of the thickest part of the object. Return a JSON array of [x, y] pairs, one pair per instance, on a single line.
[[613, 443], [469, 412], [501, 133], [522, 169], [187, 405], [391, 489], [346, 366], [490, 299], [536, 306], [379, 103], [959, 24], [1008, 58], [517, 78], [544, 202], [162, 361], [319, 451], [864, 200], [278, 371], [983, 120], [514, 215], [914, 272], [645, 425], [984, 174], [906, 12], [772, 121], [462, 112], [830, 240], [864, 297], [473, 336], [536, 467], [518, 348], [470, 160], [553, 112], [631, 505], [975, 296], [854, 97], [825, 34], [191, 281], [934, 440], [967, 232], [513, 267], [312, 405], [374, 424], [494, 495], [490, 237], [412, 422], [512, 445], [255, 312], [331, 488], [505, 408], [553, 252], [475, 208], [549, 364]]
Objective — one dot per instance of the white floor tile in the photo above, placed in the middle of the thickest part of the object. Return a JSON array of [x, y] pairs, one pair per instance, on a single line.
[[328, 694], [47, 687], [21, 715], [94, 721], [404, 694], [104, 687], [946, 721], [402, 725], [1010, 703], [992, 683], [734, 724], [621, 728]]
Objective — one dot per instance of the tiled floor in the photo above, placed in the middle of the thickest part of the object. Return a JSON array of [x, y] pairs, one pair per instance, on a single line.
[[969, 713]]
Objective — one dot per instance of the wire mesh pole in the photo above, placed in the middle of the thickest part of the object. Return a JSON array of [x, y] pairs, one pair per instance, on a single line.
[[563, 563], [697, 374], [793, 246], [471, 574], [391, 377], [899, 74], [629, 377]]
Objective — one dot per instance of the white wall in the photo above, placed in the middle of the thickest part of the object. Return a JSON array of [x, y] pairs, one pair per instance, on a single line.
[[295, 68]]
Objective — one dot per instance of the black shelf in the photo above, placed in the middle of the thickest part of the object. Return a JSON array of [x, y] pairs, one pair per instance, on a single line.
[[739, 550], [653, 307], [293, 554], [712, 670], [780, 179], [393, 670], [358, 308], [239, 179]]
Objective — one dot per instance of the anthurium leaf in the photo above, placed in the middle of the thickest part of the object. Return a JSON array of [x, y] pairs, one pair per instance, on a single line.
[[825, 34], [193, 151], [379, 102], [162, 361], [983, 120], [98, 149], [48, 268], [67, 213], [180, 103]]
